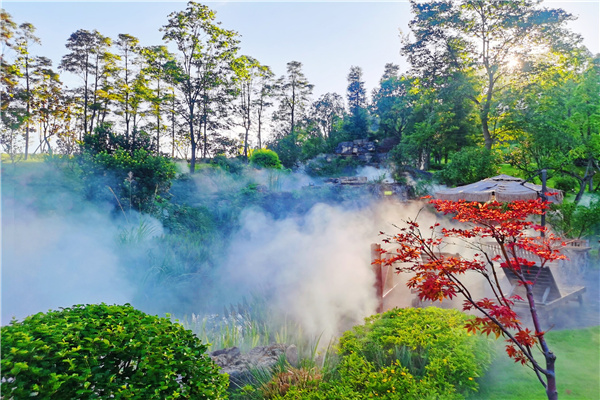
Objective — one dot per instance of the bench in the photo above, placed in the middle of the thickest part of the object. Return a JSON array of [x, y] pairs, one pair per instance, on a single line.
[[546, 293]]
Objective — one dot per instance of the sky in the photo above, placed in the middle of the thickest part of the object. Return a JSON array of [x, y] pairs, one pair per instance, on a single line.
[[326, 37]]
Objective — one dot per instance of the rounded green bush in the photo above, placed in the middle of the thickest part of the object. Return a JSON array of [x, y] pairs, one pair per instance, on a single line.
[[419, 351], [105, 351], [265, 158]]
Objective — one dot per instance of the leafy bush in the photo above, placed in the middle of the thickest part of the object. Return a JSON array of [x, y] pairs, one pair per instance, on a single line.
[[265, 158], [431, 343], [135, 178], [567, 184], [470, 165], [102, 351], [404, 353], [231, 165]]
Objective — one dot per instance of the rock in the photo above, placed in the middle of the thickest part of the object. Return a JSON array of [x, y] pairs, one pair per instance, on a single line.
[[291, 354], [239, 366], [344, 148]]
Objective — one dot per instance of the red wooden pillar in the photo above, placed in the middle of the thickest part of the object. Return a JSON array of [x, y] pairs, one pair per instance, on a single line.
[[377, 269]]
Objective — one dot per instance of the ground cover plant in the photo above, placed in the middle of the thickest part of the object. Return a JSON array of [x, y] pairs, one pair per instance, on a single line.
[[104, 351], [438, 275]]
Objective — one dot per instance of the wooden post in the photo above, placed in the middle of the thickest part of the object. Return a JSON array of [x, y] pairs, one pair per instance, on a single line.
[[376, 255]]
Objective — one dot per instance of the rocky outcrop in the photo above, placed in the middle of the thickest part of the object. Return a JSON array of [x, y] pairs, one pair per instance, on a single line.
[[363, 149], [239, 366]]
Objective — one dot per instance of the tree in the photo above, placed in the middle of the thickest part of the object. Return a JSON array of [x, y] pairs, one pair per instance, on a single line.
[[325, 111], [438, 275], [393, 102], [12, 114], [485, 37], [24, 40], [440, 120], [358, 120], [161, 67], [206, 52], [8, 71], [293, 93], [263, 101], [85, 59], [251, 94], [129, 47], [558, 117], [52, 109]]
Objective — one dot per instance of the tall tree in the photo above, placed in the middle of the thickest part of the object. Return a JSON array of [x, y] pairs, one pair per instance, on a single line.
[[357, 124], [265, 93], [485, 36], [128, 47], [326, 111], [160, 68], [204, 48], [293, 93], [8, 71], [24, 40], [52, 111], [12, 115], [393, 102], [251, 99], [86, 52]]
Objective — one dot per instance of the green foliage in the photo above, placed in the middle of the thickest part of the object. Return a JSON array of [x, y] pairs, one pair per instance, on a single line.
[[404, 353], [567, 184], [338, 166], [231, 165], [135, 178], [470, 165], [288, 149], [102, 351], [430, 344], [265, 158], [574, 221]]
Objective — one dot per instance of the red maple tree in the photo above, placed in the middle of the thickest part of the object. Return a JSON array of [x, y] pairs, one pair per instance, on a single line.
[[437, 275]]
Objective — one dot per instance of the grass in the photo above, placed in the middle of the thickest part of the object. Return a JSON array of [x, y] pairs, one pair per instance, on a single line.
[[577, 370]]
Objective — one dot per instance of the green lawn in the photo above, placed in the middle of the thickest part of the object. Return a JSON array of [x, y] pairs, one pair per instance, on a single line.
[[577, 370]]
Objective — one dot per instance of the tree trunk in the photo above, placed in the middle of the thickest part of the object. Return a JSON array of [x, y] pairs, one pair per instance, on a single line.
[[550, 357], [551, 375], [193, 143], [484, 112], [158, 118], [28, 107], [173, 126]]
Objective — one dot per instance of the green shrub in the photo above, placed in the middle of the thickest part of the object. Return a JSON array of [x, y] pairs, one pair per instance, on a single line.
[[567, 184], [404, 354], [469, 165], [136, 179], [231, 165], [102, 351], [265, 158], [430, 342]]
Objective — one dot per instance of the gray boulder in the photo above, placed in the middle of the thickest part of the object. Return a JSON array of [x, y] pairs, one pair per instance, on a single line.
[[240, 366]]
